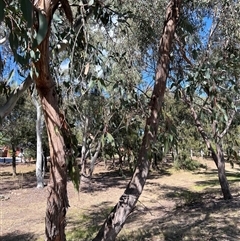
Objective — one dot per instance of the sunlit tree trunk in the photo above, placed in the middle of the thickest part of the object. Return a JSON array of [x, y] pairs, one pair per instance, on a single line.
[[94, 159], [84, 148], [216, 152], [117, 217], [39, 160], [57, 201], [219, 160]]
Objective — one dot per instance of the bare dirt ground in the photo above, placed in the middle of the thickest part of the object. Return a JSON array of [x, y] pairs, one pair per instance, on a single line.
[[174, 206]]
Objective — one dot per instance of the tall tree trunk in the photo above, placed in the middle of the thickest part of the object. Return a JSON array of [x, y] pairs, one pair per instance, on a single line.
[[217, 153], [219, 160], [14, 160], [94, 158], [117, 217], [39, 127], [57, 201], [84, 148]]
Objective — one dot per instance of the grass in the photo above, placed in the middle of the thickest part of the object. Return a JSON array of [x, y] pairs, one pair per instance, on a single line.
[[87, 224], [84, 229], [175, 205]]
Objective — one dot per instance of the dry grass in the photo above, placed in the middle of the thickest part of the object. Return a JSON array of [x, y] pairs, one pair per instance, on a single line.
[[175, 205]]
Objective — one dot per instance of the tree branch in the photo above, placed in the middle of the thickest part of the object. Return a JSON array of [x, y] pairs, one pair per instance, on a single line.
[[197, 122], [13, 98], [227, 125]]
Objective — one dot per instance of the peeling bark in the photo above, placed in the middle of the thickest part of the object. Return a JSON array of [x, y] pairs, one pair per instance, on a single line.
[[57, 201], [117, 217]]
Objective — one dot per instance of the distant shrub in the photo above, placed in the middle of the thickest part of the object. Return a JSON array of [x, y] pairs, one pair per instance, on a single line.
[[182, 161]]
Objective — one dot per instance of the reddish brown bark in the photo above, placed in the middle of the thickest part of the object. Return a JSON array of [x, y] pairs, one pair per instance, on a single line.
[[117, 217], [57, 201]]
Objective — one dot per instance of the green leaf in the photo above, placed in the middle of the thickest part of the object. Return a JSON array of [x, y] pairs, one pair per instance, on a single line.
[[27, 10], [166, 146], [10, 76], [75, 176], [2, 6], [194, 54], [32, 54], [102, 140], [101, 84], [110, 138], [90, 2], [207, 74], [91, 84], [42, 30]]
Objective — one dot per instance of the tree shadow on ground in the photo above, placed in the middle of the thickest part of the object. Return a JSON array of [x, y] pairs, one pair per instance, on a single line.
[[209, 220], [25, 180], [103, 181], [113, 178], [18, 236], [233, 177], [87, 225], [196, 216], [153, 174]]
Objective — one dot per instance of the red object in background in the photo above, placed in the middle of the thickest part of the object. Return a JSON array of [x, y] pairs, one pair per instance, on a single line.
[[5, 152]]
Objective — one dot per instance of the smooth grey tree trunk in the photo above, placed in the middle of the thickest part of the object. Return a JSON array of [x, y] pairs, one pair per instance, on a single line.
[[219, 160], [217, 152], [84, 149], [94, 158], [39, 127]]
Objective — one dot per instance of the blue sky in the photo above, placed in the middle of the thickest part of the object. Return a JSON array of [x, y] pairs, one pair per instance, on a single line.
[[148, 76]]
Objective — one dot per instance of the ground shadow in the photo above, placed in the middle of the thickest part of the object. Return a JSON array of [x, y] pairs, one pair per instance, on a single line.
[[25, 180], [103, 181], [18, 236], [210, 219], [196, 216], [112, 178], [233, 177], [87, 225]]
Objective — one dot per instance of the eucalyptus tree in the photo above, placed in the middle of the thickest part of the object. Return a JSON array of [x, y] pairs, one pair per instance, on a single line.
[[116, 219], [9, 71], [126, 128], [7, 106], [40, 164], [31, 48], [29, 40], [178, 135], [210, 80], [89, 115], [108, 77]]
